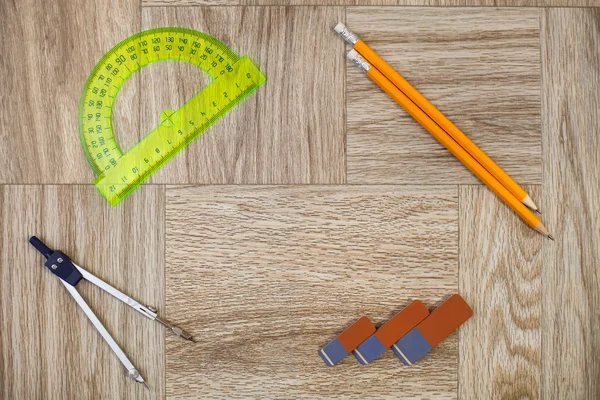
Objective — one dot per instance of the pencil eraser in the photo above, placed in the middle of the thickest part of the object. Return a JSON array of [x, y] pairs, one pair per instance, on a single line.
[[347, 341], [339, 27], [439, 325], [398, 326]]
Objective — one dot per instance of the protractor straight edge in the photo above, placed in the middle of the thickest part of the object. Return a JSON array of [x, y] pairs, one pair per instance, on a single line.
[[118, 173]]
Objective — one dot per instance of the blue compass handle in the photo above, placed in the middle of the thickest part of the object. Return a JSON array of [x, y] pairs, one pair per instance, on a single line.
[[40, 246], [58, 262]]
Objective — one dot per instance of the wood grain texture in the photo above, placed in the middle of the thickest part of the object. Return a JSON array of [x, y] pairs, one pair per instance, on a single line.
[[292, 129], [571, 100], [183, 3], [433, 3], [48, 348], [264, 276], [481, 68], [500, 277], [48, 49]]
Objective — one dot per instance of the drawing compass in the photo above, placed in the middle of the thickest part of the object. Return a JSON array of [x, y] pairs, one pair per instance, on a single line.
[[70, 274]]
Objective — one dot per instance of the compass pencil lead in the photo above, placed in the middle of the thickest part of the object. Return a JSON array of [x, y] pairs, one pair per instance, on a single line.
[[176, 330]]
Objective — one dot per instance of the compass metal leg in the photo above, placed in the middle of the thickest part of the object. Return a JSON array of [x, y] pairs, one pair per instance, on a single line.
[[131, 369]]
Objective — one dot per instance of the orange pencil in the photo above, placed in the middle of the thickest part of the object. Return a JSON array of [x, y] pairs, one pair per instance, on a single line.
[[436, 131], [436, 115]]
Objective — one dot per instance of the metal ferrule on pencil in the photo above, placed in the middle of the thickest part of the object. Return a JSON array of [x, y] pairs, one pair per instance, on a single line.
[[358, 60], [346, 34]]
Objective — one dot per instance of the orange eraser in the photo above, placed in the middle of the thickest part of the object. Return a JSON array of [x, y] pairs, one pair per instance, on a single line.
[[356, 333], [347, 341], [445, 319], [399, 325], [442, 322], [391, 331]]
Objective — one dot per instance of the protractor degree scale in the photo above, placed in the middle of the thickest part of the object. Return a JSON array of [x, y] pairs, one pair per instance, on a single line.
[[118, 173]]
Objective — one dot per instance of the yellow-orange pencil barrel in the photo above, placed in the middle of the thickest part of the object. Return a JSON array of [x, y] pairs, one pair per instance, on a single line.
[[420, 116], [373, 58]]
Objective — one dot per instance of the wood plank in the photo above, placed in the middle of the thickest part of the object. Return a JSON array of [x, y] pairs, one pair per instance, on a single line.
[[292, 129], [264, 276], [435, 3], [184, 3], [570, 104], [500, 277], [49, 49], [48, 348], [509, 3], [481, 68]]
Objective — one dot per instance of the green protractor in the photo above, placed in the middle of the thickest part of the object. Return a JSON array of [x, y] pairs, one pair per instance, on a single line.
[[118, 173]]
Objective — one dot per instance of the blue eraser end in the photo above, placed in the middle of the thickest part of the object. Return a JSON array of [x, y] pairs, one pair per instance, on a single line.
[[369, 350], [333, 353], [411, 347]]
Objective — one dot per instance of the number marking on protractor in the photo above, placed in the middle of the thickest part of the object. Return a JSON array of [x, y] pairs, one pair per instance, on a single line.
[[120, 173]]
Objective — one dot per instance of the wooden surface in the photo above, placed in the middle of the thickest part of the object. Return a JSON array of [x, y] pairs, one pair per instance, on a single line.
[[501, 278], [481, 68], [375, 213], [571, 274], [48, 347], [272, 136], [250, 257], [48, 51], [437, 3]]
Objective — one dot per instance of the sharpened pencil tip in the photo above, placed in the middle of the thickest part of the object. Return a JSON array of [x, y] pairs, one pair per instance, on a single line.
[[529, 203], [550, 237], [538, 211]]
